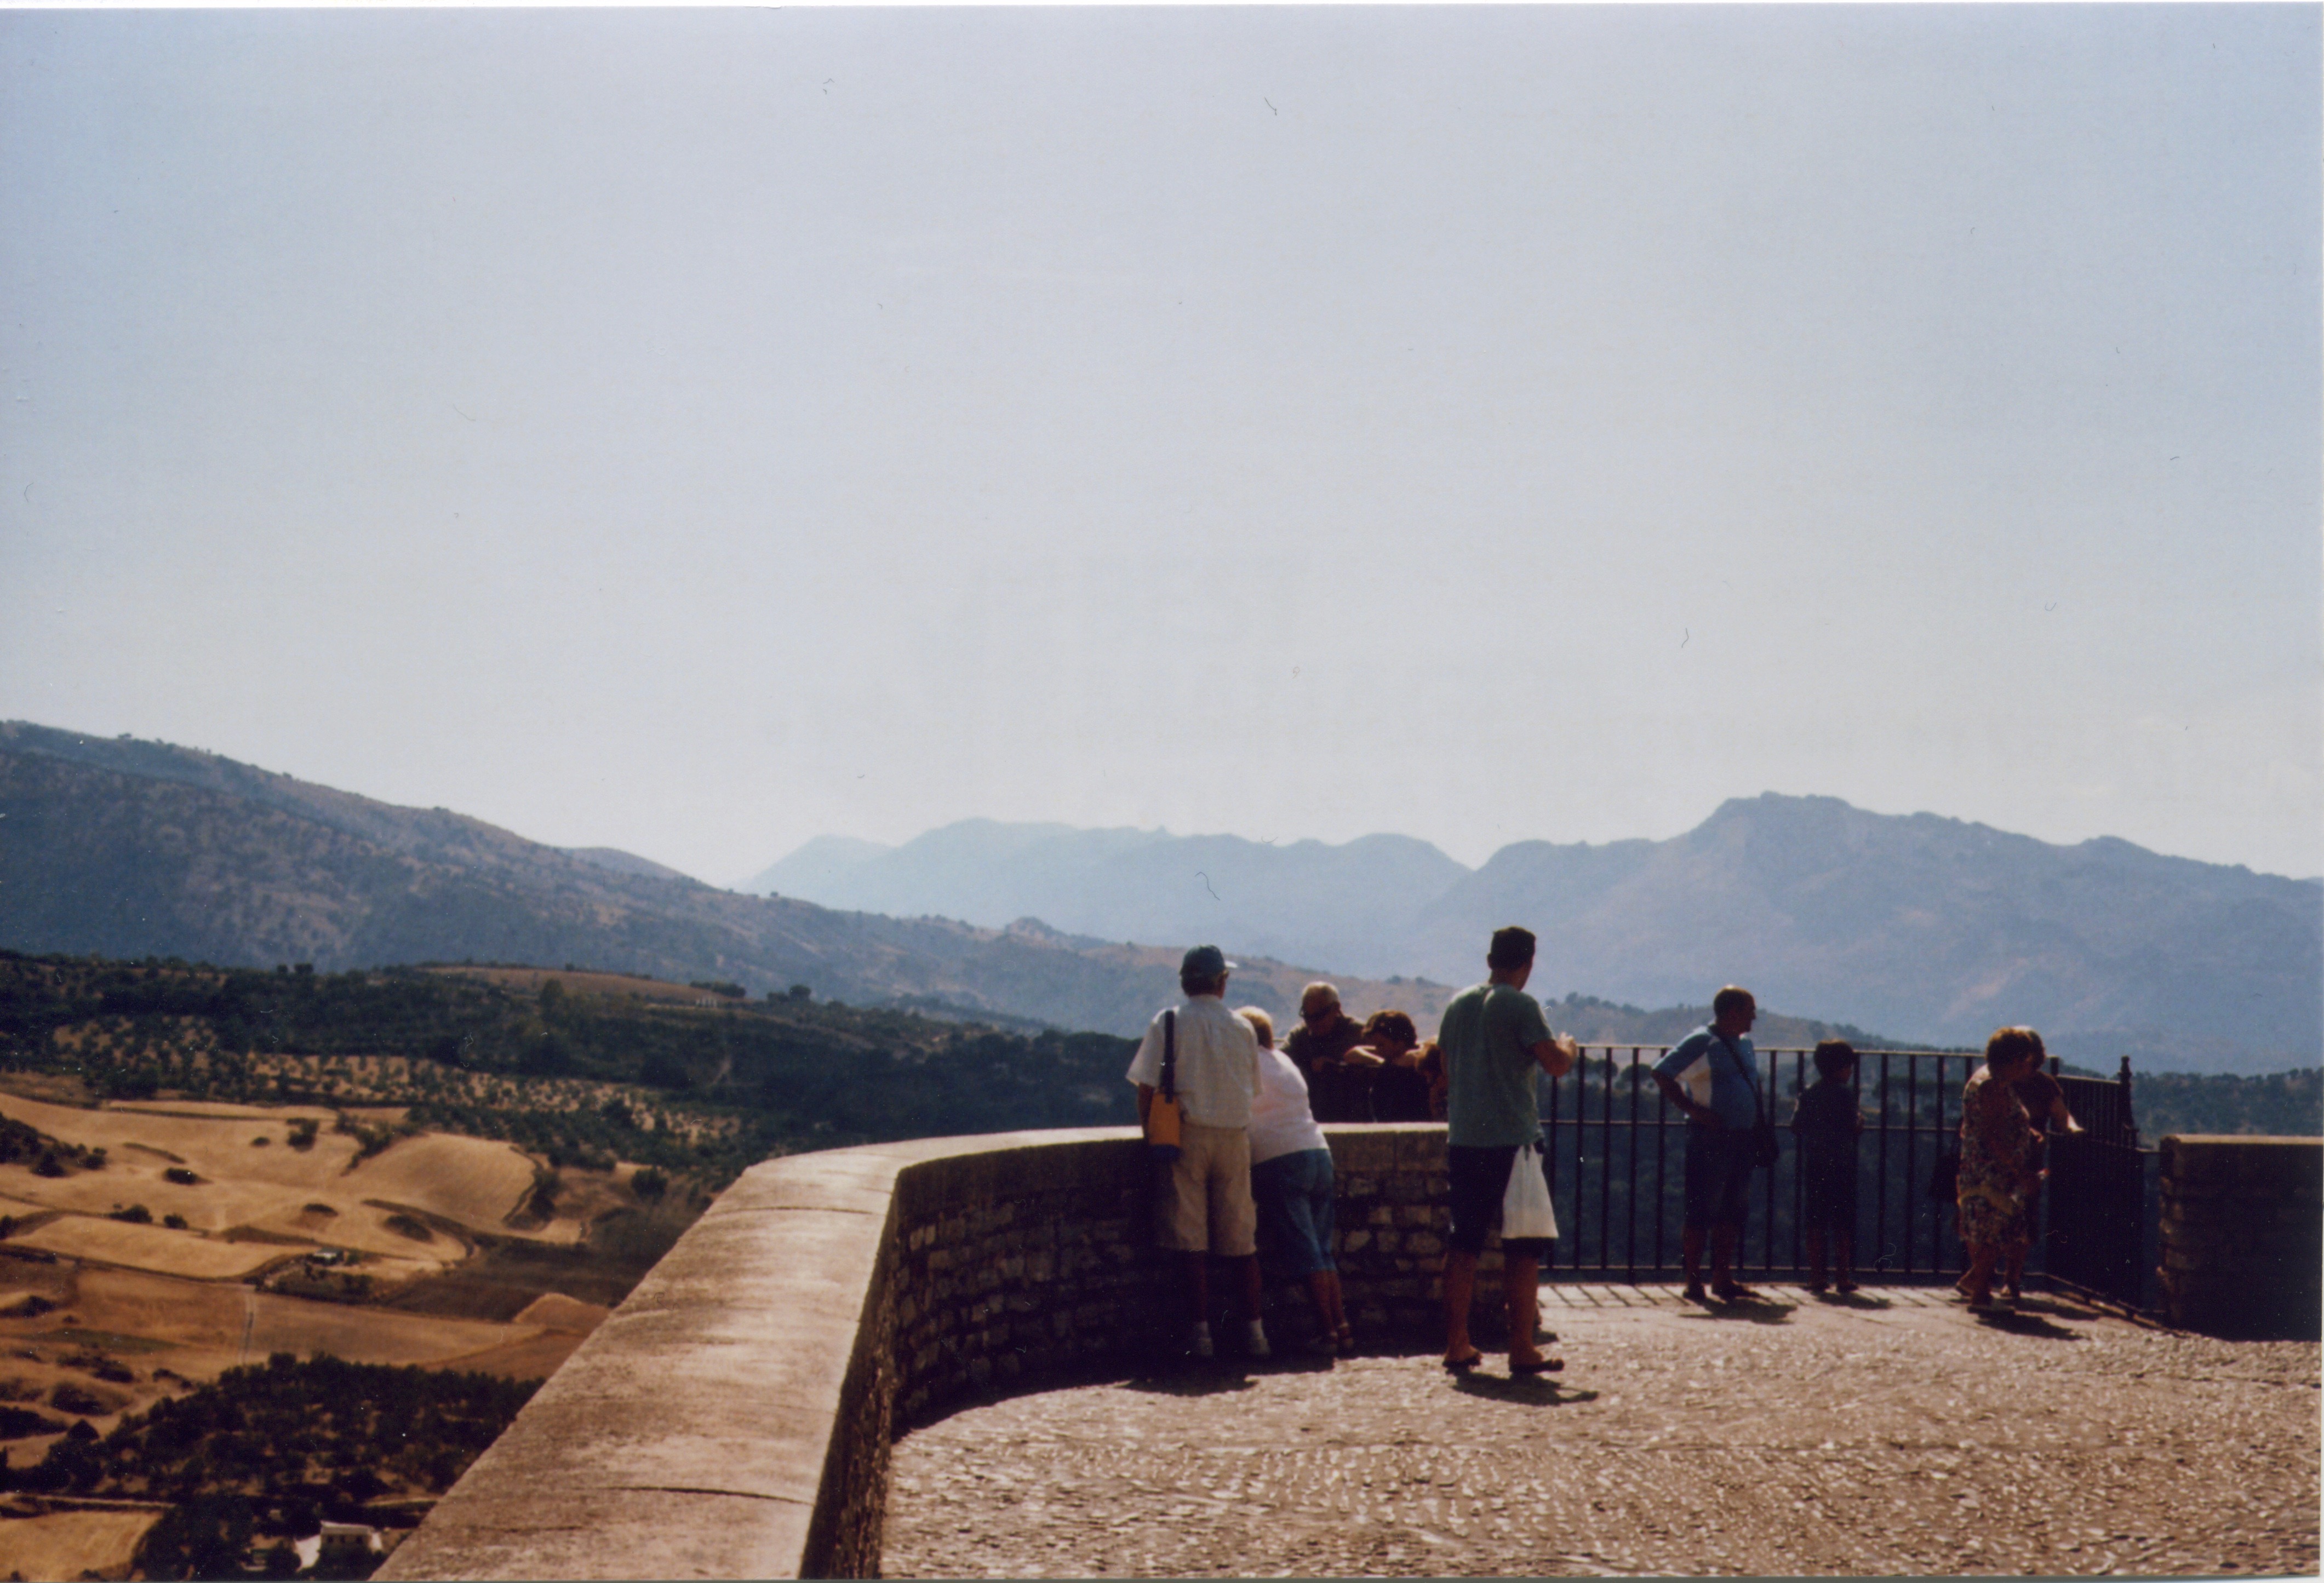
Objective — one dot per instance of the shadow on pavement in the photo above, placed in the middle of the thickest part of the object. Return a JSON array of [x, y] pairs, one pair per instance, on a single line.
[[2027, 1324], [1532, 1391], [1852, 1300], [1196, 1380], [1764, 1311]]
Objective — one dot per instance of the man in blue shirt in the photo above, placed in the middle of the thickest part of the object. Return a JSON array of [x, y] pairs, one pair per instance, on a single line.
[[1708, 1076], [1494, 1042]]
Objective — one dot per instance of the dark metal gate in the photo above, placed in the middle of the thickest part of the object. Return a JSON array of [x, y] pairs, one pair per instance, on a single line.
[[1617, 1171], [2094, 1239]]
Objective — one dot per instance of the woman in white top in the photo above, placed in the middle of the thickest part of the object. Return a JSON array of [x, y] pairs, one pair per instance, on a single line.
[[1291, 1181]]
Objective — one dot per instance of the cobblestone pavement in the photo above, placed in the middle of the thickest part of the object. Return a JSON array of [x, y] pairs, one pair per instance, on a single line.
[[1897, 1433]]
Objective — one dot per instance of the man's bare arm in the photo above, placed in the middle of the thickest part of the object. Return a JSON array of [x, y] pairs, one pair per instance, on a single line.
[[1557, 1055]]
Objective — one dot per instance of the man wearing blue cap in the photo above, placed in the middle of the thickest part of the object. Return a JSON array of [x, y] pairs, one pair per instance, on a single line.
[[1203, 1202]]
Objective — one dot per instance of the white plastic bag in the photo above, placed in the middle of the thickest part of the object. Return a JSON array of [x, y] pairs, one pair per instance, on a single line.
[[1526, 1210]]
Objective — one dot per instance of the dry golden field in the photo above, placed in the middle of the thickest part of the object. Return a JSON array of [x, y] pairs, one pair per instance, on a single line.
[[148, 1247], [269, 1188], [528, 981], [100, 1316], [72, 1544]]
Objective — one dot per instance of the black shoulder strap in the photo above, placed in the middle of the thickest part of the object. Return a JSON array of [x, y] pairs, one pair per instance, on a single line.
[[1170, 1054]]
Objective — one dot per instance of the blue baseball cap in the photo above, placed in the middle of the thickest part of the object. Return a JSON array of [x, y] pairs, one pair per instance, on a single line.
[[1204, 962]]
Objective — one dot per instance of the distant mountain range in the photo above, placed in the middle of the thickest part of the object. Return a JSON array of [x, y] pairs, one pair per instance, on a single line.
[[130, 848], [1930, 927]]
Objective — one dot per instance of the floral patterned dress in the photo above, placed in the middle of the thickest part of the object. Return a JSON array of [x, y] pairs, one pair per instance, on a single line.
[[1996, 1148]]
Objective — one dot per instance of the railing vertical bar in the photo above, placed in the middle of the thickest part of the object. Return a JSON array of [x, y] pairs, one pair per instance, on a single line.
[[1580, 1147], [1662, 1198], [1799, 1175], [1880, 1185], [1937, 1260], [1630, 1230], [1606, 1170]]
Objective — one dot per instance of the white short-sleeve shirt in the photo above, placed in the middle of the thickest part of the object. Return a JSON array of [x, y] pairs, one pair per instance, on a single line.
[[1282, 1120], [1218, 1062]]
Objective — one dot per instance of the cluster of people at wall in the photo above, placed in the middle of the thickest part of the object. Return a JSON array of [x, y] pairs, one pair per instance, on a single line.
[[1246, 1151]]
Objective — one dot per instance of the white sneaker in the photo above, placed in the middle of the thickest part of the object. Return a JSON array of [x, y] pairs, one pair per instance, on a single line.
[[1254, 1341], [1199, 1343]]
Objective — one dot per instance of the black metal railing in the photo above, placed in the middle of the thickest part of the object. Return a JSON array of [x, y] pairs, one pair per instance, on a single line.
[[1617, 1171]]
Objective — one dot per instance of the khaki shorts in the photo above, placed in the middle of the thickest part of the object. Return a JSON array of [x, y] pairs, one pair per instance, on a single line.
[[1202, 1200]]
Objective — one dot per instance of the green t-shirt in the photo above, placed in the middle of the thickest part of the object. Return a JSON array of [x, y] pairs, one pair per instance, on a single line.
[[1487, 1036]]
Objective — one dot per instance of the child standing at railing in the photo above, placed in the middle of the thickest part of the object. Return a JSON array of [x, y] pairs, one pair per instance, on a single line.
[[1826, 1123]]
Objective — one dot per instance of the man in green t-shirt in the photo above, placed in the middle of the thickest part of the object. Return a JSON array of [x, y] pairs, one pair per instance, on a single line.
[[1494, 1042]]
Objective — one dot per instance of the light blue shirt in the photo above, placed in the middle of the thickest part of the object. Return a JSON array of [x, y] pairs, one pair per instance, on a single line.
[[1716, 1073]]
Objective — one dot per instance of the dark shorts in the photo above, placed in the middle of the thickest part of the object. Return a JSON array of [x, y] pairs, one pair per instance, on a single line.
[[1719, 1168], [1294, 1193], [1480, 1178], [1828, 1192]]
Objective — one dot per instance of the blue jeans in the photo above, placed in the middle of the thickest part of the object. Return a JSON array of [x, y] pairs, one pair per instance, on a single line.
[[1294, 1193]]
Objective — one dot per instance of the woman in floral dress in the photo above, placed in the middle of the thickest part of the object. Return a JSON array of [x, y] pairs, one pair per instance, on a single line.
[[1996, 1161]]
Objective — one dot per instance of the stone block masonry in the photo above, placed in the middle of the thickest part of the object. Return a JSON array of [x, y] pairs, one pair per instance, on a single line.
[[733, 1417], [2243, 1236]]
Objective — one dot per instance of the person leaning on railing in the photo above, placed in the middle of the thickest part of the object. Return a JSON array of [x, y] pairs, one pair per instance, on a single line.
[[1291, 1181], [1495, 1043], [1400, 1088], [2044, 1099], [1997, 1163], [1327, 1049]]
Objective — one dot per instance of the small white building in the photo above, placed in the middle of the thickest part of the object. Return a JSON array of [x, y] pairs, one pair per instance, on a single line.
[[338, 1541]]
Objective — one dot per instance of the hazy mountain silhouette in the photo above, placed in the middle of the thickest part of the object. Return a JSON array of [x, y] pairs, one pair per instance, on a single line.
[[130, 848], [1301, 900], [1930, 929]]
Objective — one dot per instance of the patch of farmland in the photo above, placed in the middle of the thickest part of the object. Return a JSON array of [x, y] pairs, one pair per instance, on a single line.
[[215, 1147], [219, 1109], [198, 1316], [148, 1247], [373, 1335], [73, 1544], [554, 1311], [534, 1359], [206, 1329], [473, 1180]]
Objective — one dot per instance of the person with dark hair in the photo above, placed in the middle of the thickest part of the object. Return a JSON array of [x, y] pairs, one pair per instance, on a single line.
[[1399, 1086], [1826, 1121], [1721, 1101], [1203, 1202], [1495, 1041], [1327, 1049], [1997, 1172]]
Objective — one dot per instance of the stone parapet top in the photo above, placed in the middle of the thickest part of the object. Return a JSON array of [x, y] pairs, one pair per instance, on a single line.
[[692, 1435]]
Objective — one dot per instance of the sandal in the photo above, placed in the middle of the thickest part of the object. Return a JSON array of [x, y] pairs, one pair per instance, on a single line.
[[1463, 1364], [1345, 1340], [1538, 1365], [1734, 1292]]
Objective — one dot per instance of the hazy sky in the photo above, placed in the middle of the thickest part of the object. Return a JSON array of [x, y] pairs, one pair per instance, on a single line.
[[695, 432]]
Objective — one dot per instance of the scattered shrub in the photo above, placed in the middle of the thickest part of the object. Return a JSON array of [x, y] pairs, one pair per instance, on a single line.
[[135, 1214], [181, 1176]]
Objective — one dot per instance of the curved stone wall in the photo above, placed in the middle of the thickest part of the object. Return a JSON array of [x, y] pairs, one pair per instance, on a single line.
[[733, 1418]]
